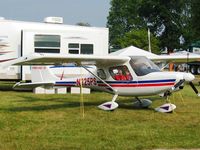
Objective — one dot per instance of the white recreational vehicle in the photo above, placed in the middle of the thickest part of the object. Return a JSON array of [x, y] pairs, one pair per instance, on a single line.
[[18, 38]]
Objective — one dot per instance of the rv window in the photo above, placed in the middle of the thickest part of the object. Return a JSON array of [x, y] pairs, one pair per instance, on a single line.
[[86, 48], [73, 48], [73, 45], [47, 43], [73, 51]]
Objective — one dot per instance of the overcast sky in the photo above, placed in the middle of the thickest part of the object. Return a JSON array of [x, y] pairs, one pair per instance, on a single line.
[[94, 12]]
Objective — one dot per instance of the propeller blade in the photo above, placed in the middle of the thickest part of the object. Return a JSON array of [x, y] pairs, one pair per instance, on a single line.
[[178, 84], [194, 88]]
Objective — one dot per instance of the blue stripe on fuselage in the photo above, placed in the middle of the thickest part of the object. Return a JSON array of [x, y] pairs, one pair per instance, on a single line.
[[122, 82], [65, 82]]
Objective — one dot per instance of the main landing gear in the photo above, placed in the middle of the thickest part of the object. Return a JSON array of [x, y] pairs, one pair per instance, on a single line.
[[112, 105], [142, 103]]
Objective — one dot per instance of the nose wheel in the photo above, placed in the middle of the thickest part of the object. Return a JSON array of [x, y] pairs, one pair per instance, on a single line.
[[168, 107]]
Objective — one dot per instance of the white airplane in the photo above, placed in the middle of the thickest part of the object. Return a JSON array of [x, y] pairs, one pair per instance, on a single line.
[[120, 76]]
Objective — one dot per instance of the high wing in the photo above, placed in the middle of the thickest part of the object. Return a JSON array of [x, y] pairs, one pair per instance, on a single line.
[[176, 58], [182, 56], [57, 59]]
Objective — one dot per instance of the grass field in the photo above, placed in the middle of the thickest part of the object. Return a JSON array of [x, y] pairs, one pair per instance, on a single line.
[[29, 121]]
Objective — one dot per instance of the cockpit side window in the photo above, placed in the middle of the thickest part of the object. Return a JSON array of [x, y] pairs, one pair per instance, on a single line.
[[101, 73], [120, 73], [142, 66]]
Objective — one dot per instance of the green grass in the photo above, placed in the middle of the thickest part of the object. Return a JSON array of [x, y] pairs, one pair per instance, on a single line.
[[29, 121]]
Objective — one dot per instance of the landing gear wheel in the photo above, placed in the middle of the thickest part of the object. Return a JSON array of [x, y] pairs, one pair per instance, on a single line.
[[193, 69], [142, 103], [198, 70]]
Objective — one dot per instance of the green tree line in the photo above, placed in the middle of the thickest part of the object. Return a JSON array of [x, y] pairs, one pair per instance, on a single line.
[[174, 24]]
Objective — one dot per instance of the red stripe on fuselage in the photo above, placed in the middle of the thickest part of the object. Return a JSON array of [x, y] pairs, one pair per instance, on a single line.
[[139, 85]]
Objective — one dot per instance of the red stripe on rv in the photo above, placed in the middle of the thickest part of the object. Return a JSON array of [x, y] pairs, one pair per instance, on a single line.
[[7, 59]]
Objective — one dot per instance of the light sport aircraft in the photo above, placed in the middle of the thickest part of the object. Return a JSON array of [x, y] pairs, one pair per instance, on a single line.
[[124, 76]]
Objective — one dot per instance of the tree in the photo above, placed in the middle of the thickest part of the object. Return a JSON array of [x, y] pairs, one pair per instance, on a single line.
[[187, 30], [122, 18], [164, 17], [139, 39], [195, 19]]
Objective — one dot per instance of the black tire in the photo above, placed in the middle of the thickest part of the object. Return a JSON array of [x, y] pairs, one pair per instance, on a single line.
[[198, 70], [193, 69]]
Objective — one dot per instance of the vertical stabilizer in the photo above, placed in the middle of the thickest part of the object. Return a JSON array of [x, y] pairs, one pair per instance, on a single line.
[[42, 74]]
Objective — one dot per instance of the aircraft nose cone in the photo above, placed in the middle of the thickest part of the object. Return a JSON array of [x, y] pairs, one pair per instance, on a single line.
[[188, 77], [179, 77]]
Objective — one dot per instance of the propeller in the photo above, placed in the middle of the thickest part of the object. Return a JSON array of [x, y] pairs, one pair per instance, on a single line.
[[194, 88], [191, 85], [178, 84], [169, 92]]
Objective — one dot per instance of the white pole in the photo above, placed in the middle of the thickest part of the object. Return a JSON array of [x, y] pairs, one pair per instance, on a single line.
[[149, 39]]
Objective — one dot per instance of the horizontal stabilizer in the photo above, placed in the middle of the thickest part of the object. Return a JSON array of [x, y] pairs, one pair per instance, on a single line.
[[30, 86]]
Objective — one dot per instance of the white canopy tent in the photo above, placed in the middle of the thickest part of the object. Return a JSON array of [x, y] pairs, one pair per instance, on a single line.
[[175, 57], [134, 51]]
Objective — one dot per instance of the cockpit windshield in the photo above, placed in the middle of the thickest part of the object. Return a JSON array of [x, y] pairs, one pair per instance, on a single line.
[[143, 66]]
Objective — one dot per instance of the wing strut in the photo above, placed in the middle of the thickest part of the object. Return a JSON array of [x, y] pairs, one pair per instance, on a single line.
[[108, 106], [115, 91], [194, 88]]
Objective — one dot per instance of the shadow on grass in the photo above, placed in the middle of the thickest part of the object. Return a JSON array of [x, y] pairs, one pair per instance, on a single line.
[[43, 107], [8, 86], [31, 99], [62, 103], [49, 107], [129, 103], [65, 103], [131, 107]]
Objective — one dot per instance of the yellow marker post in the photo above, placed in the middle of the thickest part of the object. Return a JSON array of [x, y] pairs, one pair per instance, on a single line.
[[81, 98]]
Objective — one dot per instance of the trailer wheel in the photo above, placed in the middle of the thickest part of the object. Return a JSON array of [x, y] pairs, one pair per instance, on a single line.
[[198, 70], [193, 69]]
